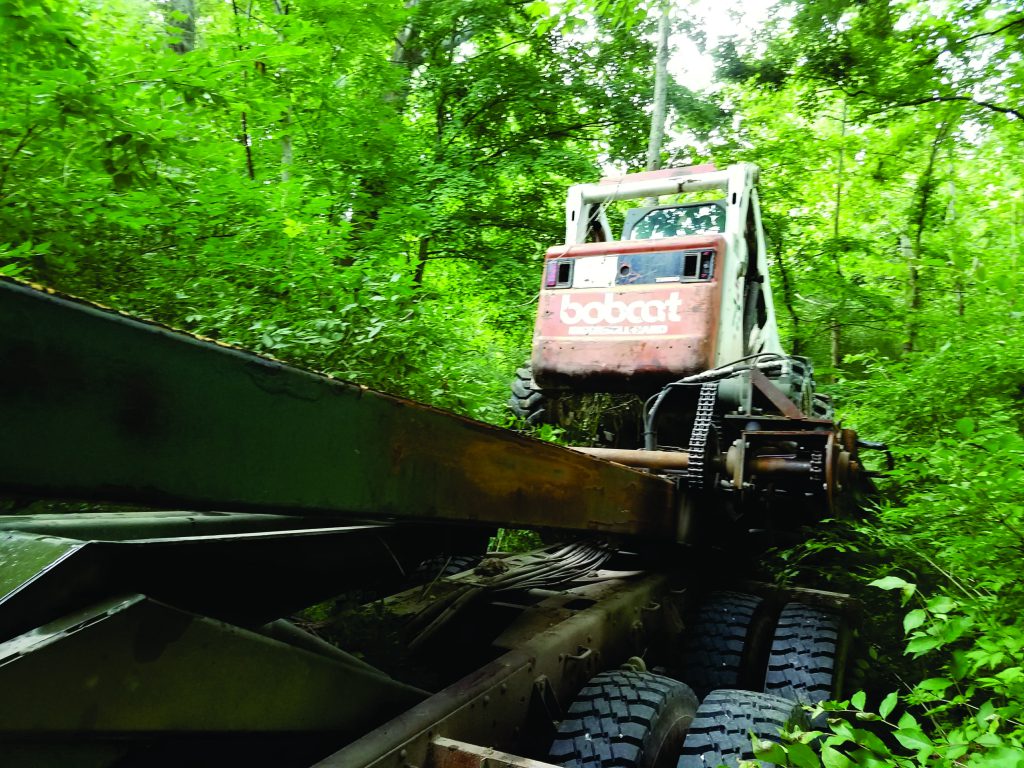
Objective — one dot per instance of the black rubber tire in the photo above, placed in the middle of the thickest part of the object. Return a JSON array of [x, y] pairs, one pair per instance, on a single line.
[[527, 401], [625, 719], [806, 660], [821, 407], [725, 642], [721, 732]]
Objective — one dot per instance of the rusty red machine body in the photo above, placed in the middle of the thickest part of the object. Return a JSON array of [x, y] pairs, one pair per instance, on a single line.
[[685, 288], [632, 327]]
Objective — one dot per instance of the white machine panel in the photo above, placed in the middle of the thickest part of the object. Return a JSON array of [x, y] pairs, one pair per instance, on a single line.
[[594, 272]]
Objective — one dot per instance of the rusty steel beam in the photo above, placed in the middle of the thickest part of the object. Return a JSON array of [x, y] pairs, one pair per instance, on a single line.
[[636, 458], [99, 406]]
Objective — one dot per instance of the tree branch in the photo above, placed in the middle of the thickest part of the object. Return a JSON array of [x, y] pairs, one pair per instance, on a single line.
[[17, 150], [941, 100], [997, 30]]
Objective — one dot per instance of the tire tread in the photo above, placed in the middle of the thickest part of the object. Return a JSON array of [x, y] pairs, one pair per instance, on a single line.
[[613, 718], [721, 732], [804, 657], [716, 640]]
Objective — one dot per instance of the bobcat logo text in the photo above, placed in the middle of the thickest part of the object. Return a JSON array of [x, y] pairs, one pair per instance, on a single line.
[[611, 317]]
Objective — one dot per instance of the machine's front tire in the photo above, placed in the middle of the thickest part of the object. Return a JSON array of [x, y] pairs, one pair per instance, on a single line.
[[821, 407], [721, 733], [625, 719], [528, 401]]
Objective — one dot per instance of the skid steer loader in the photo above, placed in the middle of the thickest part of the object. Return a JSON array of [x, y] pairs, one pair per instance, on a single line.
[[678, 312]]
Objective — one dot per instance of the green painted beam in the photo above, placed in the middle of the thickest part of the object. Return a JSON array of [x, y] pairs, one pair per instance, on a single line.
[[148, 524], [98, 406], [133, 666]]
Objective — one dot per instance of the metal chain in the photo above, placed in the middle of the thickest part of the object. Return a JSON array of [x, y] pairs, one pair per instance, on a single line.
[[695, 472]]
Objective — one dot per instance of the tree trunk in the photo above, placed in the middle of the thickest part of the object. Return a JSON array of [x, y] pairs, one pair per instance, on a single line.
[[958, 280], [286, 117], [658, 114], [835, 349], [244, 139], [373, 186], [422, 255], [839, 183], [912, 249], [835, 329], [787, 296], [181, 24]]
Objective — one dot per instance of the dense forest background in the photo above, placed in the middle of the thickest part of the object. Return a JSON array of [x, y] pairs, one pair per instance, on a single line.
[[367, 188]]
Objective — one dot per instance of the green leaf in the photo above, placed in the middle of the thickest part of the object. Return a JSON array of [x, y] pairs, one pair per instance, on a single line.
[[985, 712], [862, 758], [802, 756], [895, 582], [858, 700], [914, 619], [923, 644], [832, 758], [907, 721], [912, 738], [964, 426], [769, 751], [1004, 757], [888, 704], [990, 740], [934, 684], [890, 582], [941, 604]]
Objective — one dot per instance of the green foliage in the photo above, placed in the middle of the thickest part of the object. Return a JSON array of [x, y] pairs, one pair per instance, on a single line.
[[293, 181], [944, 546], [367, 189], [892, 186], [513, 540]]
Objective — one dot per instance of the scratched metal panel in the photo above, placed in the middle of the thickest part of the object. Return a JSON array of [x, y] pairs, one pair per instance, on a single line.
[[96, 405], [627, 337]]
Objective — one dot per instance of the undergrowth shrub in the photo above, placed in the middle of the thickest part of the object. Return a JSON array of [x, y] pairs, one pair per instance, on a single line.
[[942, 549]]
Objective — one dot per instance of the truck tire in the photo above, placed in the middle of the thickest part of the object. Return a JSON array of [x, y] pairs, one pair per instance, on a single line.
[[721, 732], [725, 643], [807, 655], [527, 401], [625, 719]]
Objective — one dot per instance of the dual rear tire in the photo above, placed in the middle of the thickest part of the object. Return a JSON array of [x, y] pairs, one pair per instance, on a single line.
[[729, 721], [633, 719]]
